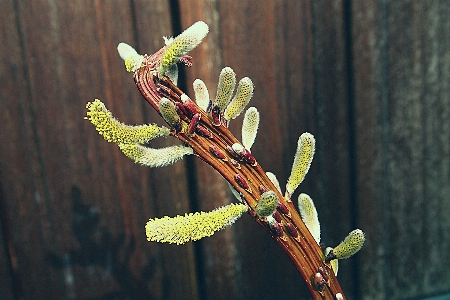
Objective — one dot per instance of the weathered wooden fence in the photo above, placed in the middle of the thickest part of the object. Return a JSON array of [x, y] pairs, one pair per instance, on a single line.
[[370, 79]]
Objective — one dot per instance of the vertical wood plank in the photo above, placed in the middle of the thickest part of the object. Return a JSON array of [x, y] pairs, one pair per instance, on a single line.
[[370, 100], [418, 148], [402, 108], [11, 70]]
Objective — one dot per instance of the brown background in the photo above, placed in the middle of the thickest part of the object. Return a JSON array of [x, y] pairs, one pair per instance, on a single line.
[[370, 79]]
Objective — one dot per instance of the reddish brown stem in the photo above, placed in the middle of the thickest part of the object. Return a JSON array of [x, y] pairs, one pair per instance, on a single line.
[[295, 240]]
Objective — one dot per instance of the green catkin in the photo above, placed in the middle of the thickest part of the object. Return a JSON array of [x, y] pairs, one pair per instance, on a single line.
[[350, 245], [168, 111], [243, 95], [302, 161], [225, 88], [250, 127], [309, 215], [267, 205]]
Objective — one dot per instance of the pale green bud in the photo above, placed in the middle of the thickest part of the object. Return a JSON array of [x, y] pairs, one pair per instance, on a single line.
[[250, 127], [302, 161], [225, 88], [168, 111], [267, 205], [309, 215], [201, 94], [243, 95]]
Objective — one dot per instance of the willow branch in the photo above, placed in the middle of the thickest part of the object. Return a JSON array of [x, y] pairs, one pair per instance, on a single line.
[[211, 142]]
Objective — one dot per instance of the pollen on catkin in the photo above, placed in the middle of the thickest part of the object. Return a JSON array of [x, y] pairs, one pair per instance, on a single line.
[[302, 161], [352, 243], [182, 44], [243, 95], [155, 157], [309, 215], [201, 94], [267, 205], [114, 131], [225, 88], [192, 226], [250, 127]]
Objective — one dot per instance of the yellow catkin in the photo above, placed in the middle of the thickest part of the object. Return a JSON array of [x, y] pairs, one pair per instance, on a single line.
[[155, 157], [225, 88], [201, 94], [350, 245], [334, 263], [114, 131], [182, 44], [250, 127], [192, 226], [267, 205], [309, 215], [243, 95], [302, 161]]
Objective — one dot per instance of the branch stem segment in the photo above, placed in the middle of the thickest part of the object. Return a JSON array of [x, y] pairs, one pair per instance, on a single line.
[[295, 239]]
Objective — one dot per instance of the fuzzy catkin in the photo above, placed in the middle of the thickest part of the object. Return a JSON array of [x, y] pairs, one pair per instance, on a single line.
[[116, 132], [309, 215], [243, 95], [192, 226], [182, 44], [250, 127], [352, 243], [225, 88], [155, 157], [302, 161], [201, 94], [267, 205]]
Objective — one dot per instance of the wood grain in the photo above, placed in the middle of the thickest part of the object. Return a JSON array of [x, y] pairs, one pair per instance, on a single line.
[[401, 110], [369, 79]]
